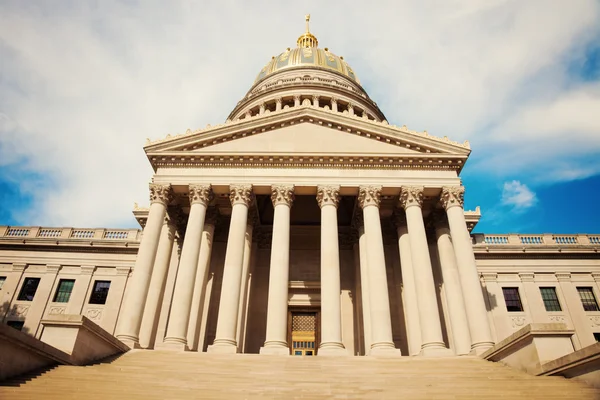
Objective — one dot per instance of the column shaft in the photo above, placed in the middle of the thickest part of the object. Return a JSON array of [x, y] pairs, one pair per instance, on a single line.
[[198, 298], [432, 340], [331, 311], [409, 291], [225, 340], [245, 288], [454, 295], [181, 304], [364, 286], [279, 269], [481, 336], [157, 282], [131, 316], [382, 342]]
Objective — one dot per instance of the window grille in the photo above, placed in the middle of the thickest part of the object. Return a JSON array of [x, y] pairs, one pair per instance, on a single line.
[[28, 289], [100, 292], [512, 299], [550, 299], [63, 292], [588, 299]]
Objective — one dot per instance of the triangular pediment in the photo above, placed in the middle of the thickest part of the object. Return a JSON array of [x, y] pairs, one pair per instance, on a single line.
[[306, 132]]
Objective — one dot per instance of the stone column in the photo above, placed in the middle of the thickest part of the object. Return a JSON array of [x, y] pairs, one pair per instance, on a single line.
[[328, 198], [278, 102], [454, 295], [282, 197], [409, 291], [201, 279], [297, 100], [481, 336], [382, 342], [131, 315], [316, 101], [176, 336], [241, 197], [334, 106], [245, 287], [157, 282], [432, 342], [364, 283]]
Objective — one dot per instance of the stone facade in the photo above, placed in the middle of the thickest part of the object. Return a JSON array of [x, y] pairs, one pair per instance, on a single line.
[[306, 200]]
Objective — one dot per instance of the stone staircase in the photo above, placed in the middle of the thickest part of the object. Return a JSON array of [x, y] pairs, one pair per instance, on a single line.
[[144, 374]]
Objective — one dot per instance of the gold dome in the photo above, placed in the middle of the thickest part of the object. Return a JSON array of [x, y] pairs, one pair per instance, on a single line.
[[307, 54]]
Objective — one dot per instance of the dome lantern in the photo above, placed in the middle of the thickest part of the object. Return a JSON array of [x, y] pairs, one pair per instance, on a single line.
[[307, 39]]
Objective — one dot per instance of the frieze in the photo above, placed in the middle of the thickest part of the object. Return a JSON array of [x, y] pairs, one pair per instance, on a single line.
[[19, 310], [558, 319], [95, 314], [595, 321], [57, 310], [518, 322]]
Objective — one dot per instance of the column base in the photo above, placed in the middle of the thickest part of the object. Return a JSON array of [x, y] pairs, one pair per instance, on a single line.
[[384, 350], [436, 350], [275, 351], [480, 348], [130, 342], [223, 346], [332, 349], [172, 345]]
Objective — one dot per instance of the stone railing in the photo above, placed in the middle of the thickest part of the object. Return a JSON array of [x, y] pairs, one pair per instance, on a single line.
[[514, 239], [36, 232]]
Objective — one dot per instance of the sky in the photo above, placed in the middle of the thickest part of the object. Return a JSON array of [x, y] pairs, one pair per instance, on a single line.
[[84, 83]]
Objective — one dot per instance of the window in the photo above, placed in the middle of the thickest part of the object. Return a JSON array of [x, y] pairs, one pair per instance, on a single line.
[[18, 325], [63, 292], [588, 299], [28, 289], [2, 279], [100, 292], [597, 336], [550, 299], [512, 299]]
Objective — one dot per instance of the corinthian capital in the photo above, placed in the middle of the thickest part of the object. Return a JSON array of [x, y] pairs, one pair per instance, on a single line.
[[369, 195], [411, 196], [160, 193], [282, 194], [241, 194], [328, 195], [452, 196], [201, 194]]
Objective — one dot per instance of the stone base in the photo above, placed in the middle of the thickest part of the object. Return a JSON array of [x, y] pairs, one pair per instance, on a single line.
[[436, 352], [173, 346], [479, 349], [222, 349], [275, 351], [335, 351], [132, 344], [385, 352]]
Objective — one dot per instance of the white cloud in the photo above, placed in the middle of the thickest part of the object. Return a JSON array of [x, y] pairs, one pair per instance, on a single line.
[[518, 195], [82, 85]]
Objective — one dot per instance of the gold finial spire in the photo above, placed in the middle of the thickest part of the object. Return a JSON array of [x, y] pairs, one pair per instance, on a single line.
[[307, 40]]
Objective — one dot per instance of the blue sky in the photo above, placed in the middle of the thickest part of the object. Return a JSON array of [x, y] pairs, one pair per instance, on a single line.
[[82, 84]]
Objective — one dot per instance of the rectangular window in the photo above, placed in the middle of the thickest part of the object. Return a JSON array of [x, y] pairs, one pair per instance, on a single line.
[[550, 299], [63, 292], [597, 336], [588, 299], [2, 280], [18, 325], [28, 289], [100, 292], [512, 299]]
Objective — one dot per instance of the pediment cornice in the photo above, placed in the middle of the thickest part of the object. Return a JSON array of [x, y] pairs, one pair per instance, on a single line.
[[194, 148]]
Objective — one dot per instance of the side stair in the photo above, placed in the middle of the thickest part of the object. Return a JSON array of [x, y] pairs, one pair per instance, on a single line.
[[148, 374]]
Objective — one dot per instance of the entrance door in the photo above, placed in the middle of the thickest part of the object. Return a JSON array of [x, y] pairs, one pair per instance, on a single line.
[[304, 338]]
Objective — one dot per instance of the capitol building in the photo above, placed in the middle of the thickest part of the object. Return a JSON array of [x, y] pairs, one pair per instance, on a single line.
[[305, 225]]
